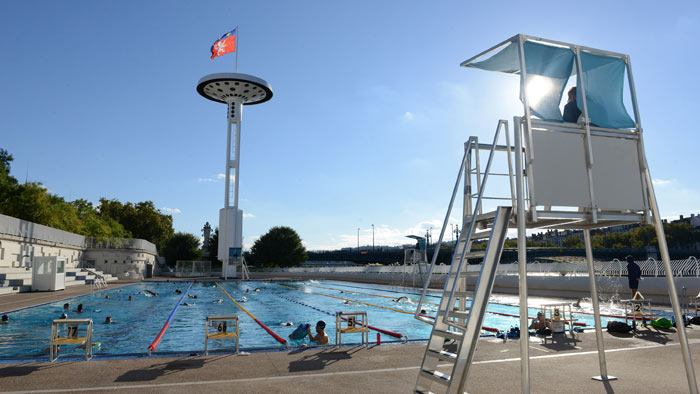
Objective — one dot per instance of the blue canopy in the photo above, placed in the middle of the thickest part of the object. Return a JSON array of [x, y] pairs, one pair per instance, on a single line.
[[549, 67]]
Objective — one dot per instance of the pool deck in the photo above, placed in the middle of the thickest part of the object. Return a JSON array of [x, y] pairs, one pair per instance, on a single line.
[[648, 362], [12, 302]]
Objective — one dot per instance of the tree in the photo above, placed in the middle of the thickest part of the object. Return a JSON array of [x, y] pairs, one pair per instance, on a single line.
[[181, 246], [212, 248], [572, 241], [143, 220], [280, 247]]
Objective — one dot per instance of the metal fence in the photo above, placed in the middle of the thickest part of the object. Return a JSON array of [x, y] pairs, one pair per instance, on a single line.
[[191, 269]]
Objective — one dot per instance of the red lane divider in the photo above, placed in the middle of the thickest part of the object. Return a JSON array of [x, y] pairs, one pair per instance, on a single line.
[[154, 344], [272, 333], [387, 332]]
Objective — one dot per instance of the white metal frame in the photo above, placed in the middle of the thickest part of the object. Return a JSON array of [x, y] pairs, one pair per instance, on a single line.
[[222, 330], [529, 215], [356, 323], [66, 332]]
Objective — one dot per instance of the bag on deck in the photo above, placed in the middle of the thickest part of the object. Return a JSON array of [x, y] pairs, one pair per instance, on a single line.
[[618, 326], [663, 323]]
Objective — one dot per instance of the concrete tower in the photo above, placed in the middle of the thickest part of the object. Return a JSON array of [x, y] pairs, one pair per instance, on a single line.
[[235, 90]]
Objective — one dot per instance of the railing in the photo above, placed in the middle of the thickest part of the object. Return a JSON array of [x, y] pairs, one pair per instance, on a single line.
[[119, 243], [651, 268]]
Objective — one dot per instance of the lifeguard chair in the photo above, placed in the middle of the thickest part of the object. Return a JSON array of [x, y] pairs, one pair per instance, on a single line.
[[221, 327], [70, 332], [580, 175], [355, 323]]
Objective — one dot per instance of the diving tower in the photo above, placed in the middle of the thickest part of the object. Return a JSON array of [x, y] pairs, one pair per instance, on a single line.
[[584, 174], [235, 90]]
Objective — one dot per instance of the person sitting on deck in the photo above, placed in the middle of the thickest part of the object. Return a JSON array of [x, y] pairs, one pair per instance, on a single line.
[[571, 111], [321, 336], [540, 322]]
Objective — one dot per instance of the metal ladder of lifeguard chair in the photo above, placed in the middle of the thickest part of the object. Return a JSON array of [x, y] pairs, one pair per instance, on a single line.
[[456, 323]]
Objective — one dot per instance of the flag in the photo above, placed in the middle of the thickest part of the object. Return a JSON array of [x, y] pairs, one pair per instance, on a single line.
[[225, 44]]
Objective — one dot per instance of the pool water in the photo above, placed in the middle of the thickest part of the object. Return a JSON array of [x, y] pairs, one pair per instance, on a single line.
[[136, 323]]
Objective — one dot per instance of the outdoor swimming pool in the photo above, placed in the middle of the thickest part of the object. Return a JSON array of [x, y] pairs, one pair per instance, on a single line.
[[137, 322]]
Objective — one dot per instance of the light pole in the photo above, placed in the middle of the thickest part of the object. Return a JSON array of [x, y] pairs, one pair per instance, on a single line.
[[457, 231], [358, 239], [453, 231], [373, 238]]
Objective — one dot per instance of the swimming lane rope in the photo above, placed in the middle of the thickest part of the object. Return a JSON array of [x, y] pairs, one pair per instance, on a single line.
[[376, 306], [272, 333], [387, 332], [154, 344], [425, 302]]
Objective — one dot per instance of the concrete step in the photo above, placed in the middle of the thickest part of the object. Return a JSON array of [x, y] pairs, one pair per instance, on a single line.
[[16, 275], [15, 289]]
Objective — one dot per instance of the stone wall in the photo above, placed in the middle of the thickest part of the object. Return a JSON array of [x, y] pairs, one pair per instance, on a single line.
[[21, 240]]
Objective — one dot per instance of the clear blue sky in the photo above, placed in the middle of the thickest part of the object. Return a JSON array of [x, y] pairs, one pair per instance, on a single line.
[[368, 119]]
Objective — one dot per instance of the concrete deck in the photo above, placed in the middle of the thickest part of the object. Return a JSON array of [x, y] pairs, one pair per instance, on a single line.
[[11, 302], [648, 362]]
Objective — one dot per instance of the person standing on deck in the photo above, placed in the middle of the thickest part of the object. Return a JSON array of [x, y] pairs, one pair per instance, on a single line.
[[634, 273]]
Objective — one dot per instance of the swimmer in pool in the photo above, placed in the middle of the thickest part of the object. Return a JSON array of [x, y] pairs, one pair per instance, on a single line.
[[80, 308], [321, 337], [191, 296], [5, 319], [66, 306], [219, 301], [131, 298], [401, 299], [151, 293], [108, 320], [107, 297]]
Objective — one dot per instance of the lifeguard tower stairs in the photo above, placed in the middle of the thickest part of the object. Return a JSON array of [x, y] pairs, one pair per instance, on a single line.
[[584, 175]]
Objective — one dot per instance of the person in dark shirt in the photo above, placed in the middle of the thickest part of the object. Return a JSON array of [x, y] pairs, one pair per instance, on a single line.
[[571, 111], [634, 273]]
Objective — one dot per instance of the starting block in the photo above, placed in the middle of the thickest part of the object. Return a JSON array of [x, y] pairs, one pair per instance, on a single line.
[[221, 327], [638, 308], [70, 332], [556, 314], [355, 322]]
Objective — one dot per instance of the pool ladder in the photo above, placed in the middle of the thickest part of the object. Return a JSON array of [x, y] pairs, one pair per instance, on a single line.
[[457, 323]]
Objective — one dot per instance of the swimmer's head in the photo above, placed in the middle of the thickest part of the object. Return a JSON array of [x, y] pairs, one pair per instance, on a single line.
[[66, 305], [64, 316], [321, 324]]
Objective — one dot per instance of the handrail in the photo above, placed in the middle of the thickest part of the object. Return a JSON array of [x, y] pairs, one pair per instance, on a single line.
[[154, 344], [272, 333], [417, 314], [472, 222]]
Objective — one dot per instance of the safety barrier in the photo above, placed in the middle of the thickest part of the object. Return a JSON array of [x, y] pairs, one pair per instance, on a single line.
[[68, 332], [154, 344], [222, 325], [264, 327]]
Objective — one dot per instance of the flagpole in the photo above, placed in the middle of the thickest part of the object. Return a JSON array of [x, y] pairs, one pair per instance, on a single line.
[[237, 45]]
